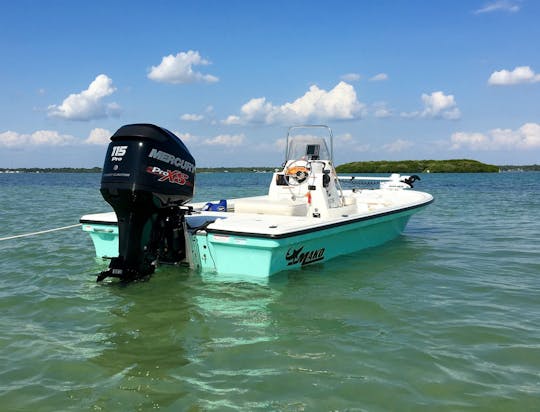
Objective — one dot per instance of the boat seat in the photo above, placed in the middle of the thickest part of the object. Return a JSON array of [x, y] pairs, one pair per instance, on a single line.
[[283, 207]]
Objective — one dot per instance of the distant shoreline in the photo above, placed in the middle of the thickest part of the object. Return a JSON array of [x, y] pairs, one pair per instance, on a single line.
[[399, 166], [430, 166]]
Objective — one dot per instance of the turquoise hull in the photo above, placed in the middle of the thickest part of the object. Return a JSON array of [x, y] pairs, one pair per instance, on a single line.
[[104, 237], [236, 254], [258, 256]]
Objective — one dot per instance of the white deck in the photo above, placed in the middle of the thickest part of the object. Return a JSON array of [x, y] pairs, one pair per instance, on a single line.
[[366, 203], [106, 218]]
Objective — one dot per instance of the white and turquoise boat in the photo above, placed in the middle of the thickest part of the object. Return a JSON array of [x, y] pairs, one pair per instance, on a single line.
[[305, 218]]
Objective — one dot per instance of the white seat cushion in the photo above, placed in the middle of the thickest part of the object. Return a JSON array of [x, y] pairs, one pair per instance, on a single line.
[[267, 206]]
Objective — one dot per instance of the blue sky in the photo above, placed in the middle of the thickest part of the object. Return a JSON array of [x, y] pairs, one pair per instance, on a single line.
[[393, 79]]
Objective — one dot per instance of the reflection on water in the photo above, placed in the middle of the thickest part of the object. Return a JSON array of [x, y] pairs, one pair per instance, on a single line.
[[158, 328]]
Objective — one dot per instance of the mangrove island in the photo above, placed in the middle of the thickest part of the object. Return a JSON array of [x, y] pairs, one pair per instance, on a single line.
[[418, 166]]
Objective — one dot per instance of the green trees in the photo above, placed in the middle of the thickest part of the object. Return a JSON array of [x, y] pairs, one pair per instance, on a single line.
[[418, 166]]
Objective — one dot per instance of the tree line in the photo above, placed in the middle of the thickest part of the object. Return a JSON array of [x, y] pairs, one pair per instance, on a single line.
[[418, 166]]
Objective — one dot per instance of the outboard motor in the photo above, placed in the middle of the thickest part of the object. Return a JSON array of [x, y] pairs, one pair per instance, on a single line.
[[148, 175]]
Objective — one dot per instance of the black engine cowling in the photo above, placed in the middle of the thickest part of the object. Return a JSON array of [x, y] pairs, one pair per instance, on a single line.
[[148, 175]]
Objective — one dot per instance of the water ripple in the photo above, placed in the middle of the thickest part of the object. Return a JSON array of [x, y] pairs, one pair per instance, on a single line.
[[443, 318]]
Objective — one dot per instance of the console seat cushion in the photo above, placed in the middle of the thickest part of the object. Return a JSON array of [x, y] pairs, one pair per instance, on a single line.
[[264, 205]]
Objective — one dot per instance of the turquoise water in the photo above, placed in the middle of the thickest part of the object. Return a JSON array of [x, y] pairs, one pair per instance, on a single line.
[[446, 317]]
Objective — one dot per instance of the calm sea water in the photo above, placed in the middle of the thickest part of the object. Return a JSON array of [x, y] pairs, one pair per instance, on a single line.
[[446, 317]]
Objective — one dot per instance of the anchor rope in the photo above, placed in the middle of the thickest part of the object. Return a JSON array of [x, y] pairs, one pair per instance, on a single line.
[[40, 232]]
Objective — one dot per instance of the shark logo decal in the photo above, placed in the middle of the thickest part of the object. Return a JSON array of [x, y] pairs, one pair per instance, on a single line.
[[295, 256]]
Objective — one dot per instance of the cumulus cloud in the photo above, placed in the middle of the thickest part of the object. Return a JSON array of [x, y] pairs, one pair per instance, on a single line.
[[362, 148], [345, 138], [226, 140], [192, 117], [88, 104], [397, 146], [99, 136], [437, 105], [521, 74], [379, 77], [186, 137], [340, 103], [280, 144], [524, 138], [347, 142], [381, 110], [12, 139], [40, 138], [499, 5], [179, 69], [351, 77], [410, 115], [232, 119]]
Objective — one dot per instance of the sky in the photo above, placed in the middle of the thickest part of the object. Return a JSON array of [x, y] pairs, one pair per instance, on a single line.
[[394, 80]]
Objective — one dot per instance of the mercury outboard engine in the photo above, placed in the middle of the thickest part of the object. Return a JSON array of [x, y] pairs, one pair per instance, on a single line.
[[148, 175]]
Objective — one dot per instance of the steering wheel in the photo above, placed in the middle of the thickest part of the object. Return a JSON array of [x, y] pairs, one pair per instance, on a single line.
[[297, 172]]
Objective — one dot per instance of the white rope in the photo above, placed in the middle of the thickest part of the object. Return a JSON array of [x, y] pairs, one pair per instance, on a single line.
[[40, 232]]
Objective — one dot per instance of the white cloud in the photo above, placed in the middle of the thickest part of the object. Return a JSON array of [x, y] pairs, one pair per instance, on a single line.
[[500, 5], [226, 140], [340, 103], [347, 143], [179, 69], [362, 148], [379, 77], [381, 110], [192, 117], [99, 136], [11, 139], [397, 146], [475, 141], [410, 115], [186, 137], [88, 104], [437, 105], [232, 120], [521, 74], [280, 144], [345, 138], [351, 77], [524, 138]]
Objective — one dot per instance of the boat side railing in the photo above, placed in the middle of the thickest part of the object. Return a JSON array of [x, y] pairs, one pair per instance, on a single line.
[[394, 181], [351, 178]]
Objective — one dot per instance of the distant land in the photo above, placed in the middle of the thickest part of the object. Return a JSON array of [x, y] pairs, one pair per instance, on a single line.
[[383, 166], [528, 168], [98, 170], [419, 166], [51, 170]]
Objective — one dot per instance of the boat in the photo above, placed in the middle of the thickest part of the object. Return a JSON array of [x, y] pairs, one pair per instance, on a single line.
[[305, 218]]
